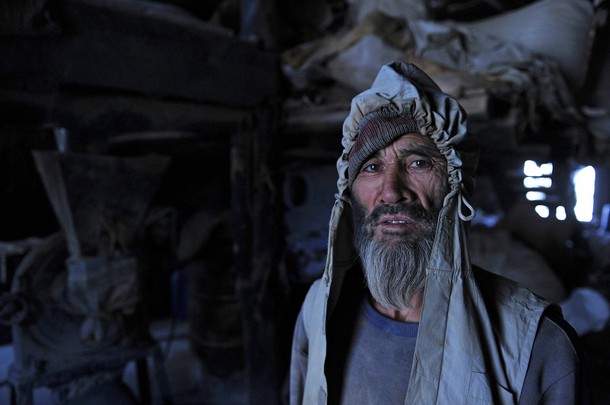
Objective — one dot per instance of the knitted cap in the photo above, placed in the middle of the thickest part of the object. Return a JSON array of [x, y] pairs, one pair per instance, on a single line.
[[377, 130]]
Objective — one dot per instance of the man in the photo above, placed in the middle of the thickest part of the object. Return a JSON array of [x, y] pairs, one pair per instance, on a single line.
[[400, 316]]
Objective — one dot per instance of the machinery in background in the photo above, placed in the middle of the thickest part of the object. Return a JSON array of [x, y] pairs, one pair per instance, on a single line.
[[75, 306]]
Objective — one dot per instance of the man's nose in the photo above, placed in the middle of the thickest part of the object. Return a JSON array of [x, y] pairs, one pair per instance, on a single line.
[[396, 187]]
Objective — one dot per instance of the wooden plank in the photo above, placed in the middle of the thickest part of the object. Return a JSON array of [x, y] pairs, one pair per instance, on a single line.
[[256, 237], [110, 49]]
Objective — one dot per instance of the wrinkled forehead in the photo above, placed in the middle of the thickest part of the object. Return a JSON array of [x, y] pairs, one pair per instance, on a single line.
[[411, 144]]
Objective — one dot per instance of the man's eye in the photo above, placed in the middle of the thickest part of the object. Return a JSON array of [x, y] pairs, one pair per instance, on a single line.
[[370, 167], [421, 165]]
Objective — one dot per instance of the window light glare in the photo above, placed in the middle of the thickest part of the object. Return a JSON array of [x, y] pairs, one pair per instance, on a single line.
[[537, 182], [532, 169], [560, 213], [535, 196], [584, 187], [542, 210], [546, 169]]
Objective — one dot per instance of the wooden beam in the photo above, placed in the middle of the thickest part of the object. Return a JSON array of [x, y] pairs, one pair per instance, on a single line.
[[114, 49]]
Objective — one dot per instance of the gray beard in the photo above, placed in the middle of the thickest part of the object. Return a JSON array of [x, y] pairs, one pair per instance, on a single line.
[[395, 270]]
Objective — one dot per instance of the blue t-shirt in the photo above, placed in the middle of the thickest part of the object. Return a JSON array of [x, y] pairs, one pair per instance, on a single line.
[[378, 366]]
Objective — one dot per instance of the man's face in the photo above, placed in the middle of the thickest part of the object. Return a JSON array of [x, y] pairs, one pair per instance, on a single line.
[[397, 196], [400, 186]]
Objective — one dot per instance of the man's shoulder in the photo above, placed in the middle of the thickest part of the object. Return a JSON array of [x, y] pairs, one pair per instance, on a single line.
[[314, 300], [494, 283], [486, 279], [507, 301], [557, 368], [557, 335], [485, 276]]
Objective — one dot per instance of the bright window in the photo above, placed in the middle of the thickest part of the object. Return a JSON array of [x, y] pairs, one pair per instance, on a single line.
[[543, 211], [584, 187], [538, 183], [560, 213], [532, 169], [535, 196]]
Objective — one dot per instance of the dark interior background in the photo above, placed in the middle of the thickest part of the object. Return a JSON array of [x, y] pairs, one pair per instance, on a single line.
[[235, 229]]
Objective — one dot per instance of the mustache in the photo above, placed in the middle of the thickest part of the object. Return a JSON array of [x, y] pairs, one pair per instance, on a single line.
[[415, 212]]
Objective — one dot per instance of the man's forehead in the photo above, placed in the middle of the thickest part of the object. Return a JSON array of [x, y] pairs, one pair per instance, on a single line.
[[413, 143]]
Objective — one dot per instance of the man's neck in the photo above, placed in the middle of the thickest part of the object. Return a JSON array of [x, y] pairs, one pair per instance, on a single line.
[[408, 315]]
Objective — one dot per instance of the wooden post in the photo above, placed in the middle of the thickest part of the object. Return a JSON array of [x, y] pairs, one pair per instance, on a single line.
[[256, 241]]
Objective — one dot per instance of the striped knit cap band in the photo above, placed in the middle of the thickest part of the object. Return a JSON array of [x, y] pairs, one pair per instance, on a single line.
[[377, 130]]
